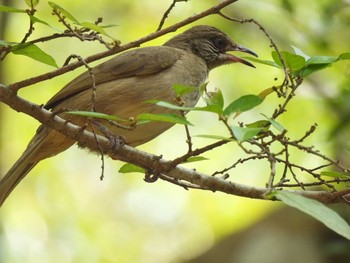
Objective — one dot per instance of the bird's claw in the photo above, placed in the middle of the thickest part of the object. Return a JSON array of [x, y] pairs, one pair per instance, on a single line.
[[151, 176], [116, 143]]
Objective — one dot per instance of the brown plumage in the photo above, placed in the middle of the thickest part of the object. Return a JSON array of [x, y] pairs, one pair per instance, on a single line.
[[123, 84]]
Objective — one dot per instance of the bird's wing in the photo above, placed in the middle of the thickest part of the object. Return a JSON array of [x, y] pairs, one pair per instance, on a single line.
[[137, 62]]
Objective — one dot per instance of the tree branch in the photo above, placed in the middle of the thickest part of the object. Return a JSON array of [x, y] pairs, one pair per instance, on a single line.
[[149, 161]]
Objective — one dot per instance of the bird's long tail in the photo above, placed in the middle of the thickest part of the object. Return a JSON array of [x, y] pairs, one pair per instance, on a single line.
[[21, 168]]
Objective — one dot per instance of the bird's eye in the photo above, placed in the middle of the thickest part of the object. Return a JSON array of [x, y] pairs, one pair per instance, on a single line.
[[220, 43]]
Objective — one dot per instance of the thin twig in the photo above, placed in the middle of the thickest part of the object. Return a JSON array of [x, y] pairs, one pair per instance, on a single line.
[[167, 12], [188, 135], [273, 44], [239, 161], [93, 107], [30, 13], [197, 152], [99, 148]]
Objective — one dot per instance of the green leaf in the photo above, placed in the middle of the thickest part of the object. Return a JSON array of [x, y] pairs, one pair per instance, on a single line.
[[173, 118], [63, 12], [37, 20], [335, 174], [317, 210], [181, 90], [32, 3], [131, 168], [263, 125], [301, 63], [210, 108], [203, 88], [321, 60], [266, 92], [34, 52], [6, 43], [299, 52], [215, 137], [10, 9], [259, 124], [98, 115], [215, 101], [242, 104], [344, 56], [165, 104], [94, 27], [265, 62], [318, 63], [275, 124], [169, 105], [245, 134], [293, 62], [309, 69], [108, 26]]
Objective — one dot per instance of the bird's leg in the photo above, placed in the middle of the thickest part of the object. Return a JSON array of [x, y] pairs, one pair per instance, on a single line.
[[153, 174]]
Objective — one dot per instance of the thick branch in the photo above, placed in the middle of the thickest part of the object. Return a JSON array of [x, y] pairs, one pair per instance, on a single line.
[[150, 161]]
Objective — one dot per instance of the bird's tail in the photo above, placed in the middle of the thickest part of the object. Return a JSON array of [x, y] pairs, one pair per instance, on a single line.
[[21, 168]]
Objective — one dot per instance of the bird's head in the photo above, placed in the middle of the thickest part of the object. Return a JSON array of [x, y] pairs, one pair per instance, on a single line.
[[211, 44]]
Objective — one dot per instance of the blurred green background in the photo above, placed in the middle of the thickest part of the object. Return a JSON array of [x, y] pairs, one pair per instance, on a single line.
[[62, 212]]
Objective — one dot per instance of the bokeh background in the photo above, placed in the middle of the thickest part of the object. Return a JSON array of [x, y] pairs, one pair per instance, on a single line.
[[62, 212]]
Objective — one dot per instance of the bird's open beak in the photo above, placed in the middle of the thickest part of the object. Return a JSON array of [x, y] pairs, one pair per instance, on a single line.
[[240, 48]]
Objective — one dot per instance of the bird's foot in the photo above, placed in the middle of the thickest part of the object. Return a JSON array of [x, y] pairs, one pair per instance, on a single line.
[[151, 176], [116, 142]]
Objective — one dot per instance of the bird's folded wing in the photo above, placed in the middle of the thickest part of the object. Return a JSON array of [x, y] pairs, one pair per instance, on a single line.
[[138, 62]]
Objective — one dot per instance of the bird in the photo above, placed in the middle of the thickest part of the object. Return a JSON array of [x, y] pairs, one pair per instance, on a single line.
[[123, 84]]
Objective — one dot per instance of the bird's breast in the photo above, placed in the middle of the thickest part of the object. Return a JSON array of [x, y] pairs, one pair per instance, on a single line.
[[189, 70]]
